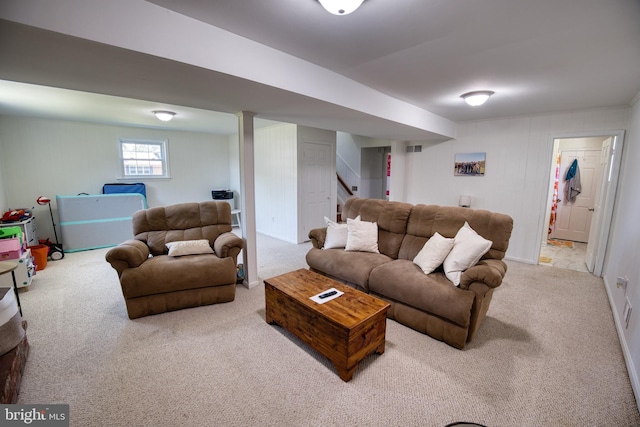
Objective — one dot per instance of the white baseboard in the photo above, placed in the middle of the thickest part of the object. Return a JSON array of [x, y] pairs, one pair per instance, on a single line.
[[631, 369], [250, 285], [522, 260]]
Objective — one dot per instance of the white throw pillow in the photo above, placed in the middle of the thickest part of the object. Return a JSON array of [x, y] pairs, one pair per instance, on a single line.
[[468, 248], [189, 247], [362, 236], [433, 253], [336, 234]]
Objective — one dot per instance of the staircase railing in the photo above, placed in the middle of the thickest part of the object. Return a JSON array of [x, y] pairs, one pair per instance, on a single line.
[[344, 185]]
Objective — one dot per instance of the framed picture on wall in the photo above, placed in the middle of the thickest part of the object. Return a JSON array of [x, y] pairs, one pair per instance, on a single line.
[[469, 164]]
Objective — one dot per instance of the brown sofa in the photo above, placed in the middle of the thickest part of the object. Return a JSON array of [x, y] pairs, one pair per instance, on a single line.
[[153, 282], [429, 303]]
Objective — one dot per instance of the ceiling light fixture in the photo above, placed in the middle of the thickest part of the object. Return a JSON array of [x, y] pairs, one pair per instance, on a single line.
[[476, 98], [164, 115], [340, 7]]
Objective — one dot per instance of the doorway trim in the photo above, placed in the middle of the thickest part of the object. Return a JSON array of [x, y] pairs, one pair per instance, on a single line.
[[608, 196]]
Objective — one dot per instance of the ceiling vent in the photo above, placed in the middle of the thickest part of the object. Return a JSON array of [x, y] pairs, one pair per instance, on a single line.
[[414, 148]]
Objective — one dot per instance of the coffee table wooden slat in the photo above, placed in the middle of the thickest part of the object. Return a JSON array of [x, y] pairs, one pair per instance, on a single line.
[[345, 330]]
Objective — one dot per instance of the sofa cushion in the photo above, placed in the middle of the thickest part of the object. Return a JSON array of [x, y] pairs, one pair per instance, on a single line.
[[184, 221], [433, 253], [162, 273], [391, 218], [353, 267], [404, 282], [468, 248], [425, 220], [362, 236]]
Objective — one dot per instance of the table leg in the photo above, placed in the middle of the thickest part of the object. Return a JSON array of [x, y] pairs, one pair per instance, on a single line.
[[15, 289], [345, 374]]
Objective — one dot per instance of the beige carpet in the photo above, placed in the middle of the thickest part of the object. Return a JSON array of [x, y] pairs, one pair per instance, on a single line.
[[547, 355]]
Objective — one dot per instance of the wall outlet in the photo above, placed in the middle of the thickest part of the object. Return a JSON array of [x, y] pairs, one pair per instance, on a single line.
[[621, 282], [626, 313], [354, 188]]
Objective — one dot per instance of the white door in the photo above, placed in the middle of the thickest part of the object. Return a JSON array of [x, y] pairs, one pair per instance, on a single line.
[[573, 220], [596, 222], [316, 179]]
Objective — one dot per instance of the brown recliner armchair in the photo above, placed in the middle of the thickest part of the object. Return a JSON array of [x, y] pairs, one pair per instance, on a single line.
[[153, 282]]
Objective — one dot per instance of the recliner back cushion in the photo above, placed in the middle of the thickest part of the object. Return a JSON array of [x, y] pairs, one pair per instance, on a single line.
[[186, 221], [425, 220], [391, 218]]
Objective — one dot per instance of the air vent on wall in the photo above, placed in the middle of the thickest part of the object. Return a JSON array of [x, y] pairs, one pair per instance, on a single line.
[[414, 148]]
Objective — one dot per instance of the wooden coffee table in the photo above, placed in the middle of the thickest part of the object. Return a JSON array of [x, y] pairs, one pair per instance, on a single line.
[[345, 330]]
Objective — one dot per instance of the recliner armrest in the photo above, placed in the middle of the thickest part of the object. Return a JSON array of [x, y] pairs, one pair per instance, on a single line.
[[128, 254], [228, 245], [488, 271], [318, 236]]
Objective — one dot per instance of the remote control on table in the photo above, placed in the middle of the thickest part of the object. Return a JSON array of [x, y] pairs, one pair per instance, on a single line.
[[327, 294]]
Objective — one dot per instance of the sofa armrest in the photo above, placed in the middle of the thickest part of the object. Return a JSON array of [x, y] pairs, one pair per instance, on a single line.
[[488, 271], [318, 236], [128, 254], [228, 245]]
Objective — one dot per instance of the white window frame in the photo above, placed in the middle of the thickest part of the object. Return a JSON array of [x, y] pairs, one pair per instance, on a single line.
[[122, 167]]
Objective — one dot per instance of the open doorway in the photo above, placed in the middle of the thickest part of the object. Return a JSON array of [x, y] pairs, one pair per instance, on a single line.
[[582, 184], [375, 172]]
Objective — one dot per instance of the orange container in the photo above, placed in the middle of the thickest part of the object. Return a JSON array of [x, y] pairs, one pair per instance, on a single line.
[[40, 254]]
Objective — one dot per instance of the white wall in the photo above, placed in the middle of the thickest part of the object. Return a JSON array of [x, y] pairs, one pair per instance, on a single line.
[[54, 157], [624, 247], [234, 168], [518, 164], [276, 181], [277, 176]]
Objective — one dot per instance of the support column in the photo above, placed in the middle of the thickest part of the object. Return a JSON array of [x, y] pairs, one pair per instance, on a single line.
[[248, 198]]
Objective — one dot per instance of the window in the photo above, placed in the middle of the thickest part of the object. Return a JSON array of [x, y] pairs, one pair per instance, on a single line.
[[141, 158]]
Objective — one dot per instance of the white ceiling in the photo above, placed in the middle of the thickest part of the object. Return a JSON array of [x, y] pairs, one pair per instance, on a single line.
[[538, 56], [25, 99]]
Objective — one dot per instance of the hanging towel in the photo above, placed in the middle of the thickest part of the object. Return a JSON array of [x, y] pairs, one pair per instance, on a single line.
[[573, 186]]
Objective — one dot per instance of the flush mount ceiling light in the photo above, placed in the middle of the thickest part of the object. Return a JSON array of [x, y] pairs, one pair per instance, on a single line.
[[164, 115], [340, 7], [476, 98]]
